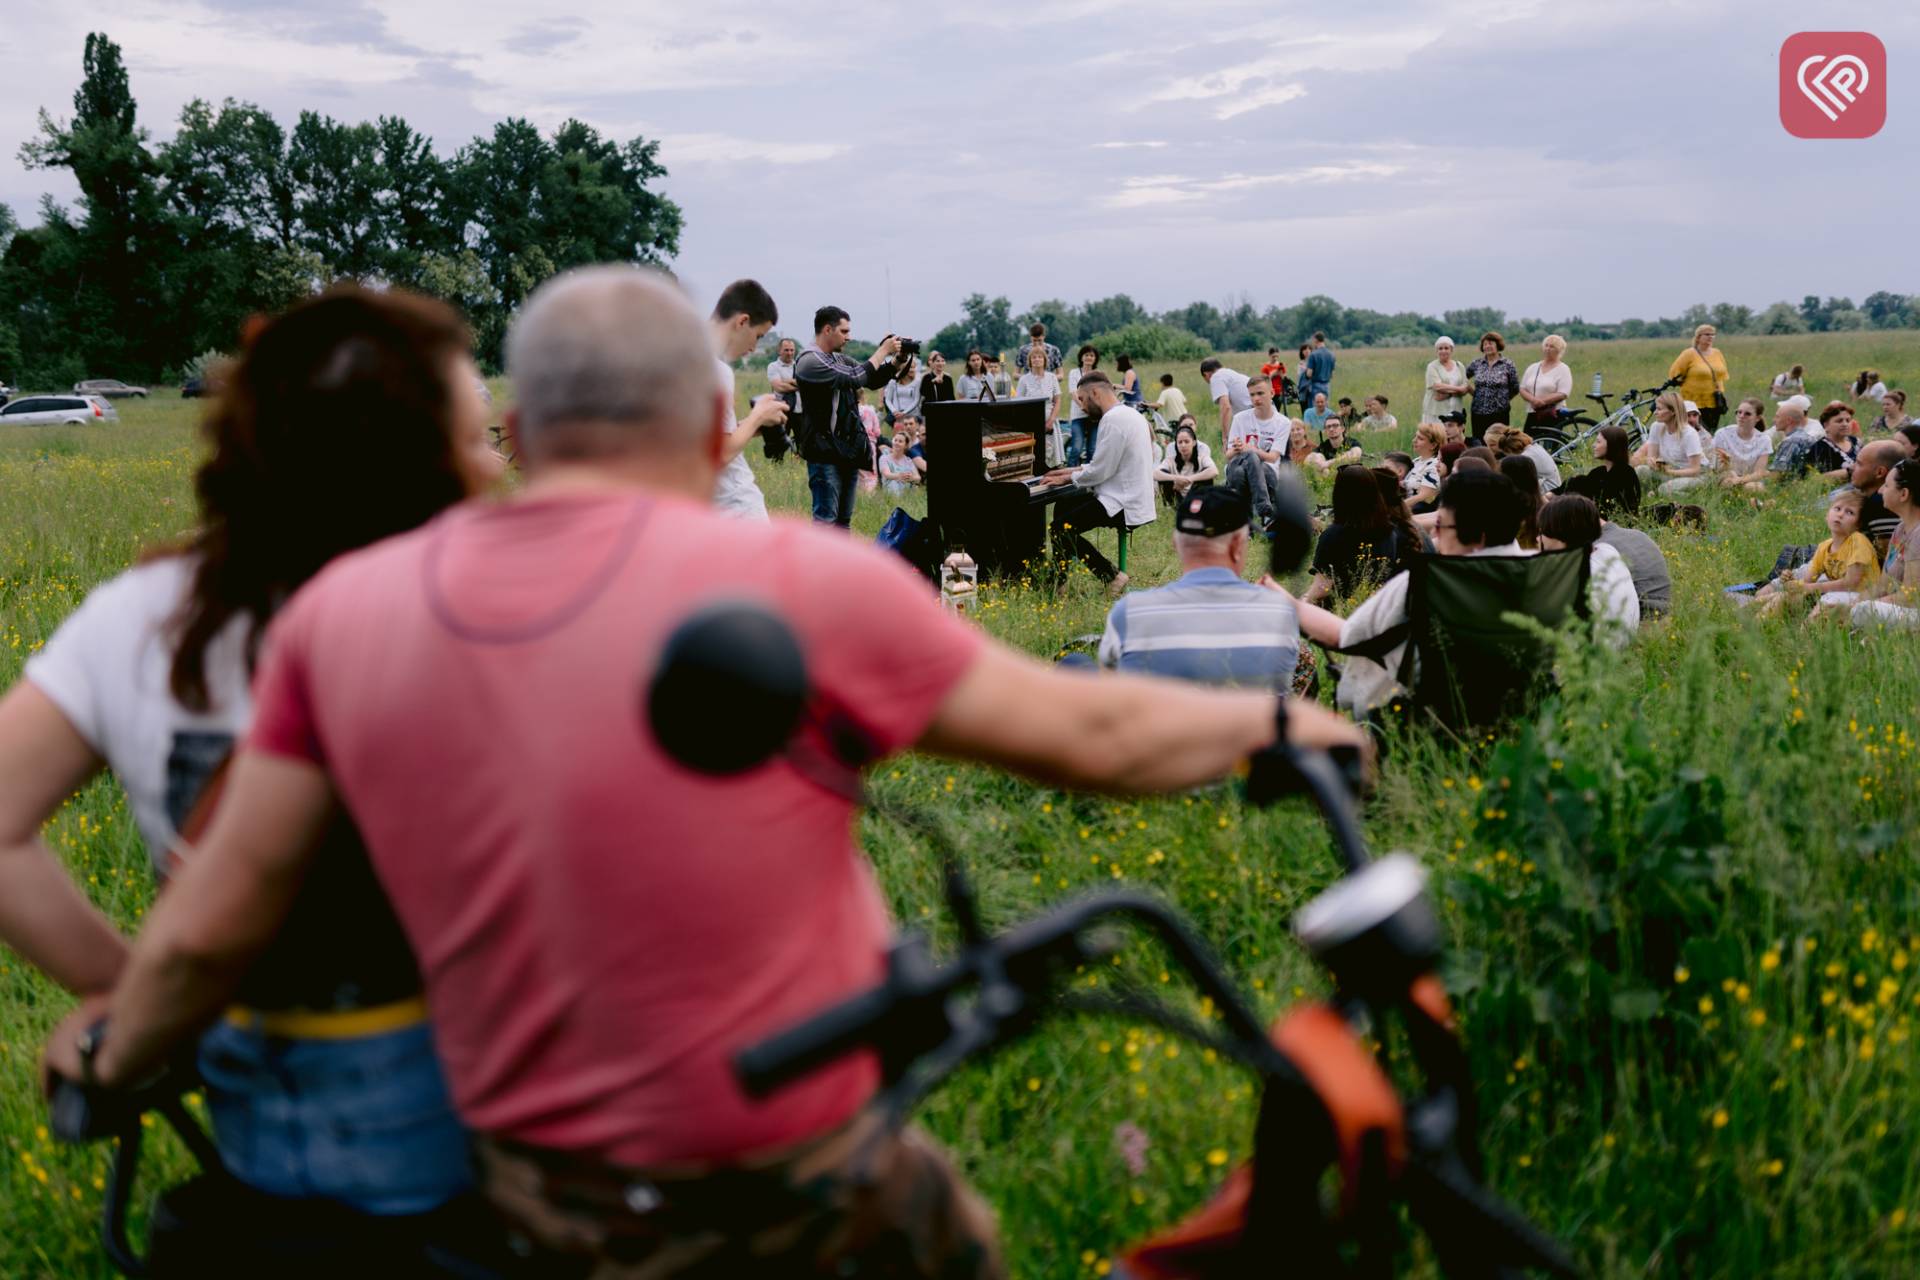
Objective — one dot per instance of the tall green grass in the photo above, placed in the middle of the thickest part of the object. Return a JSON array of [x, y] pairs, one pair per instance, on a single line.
[[1680, 903]]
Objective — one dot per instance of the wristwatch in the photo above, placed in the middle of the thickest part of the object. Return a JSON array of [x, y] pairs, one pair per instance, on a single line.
[[88, 1045]]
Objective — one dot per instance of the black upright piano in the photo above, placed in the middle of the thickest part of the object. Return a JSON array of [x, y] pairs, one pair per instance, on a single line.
[[985, 460]]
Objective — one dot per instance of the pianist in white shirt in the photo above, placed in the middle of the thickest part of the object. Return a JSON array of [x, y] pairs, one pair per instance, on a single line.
[[1115, 488]]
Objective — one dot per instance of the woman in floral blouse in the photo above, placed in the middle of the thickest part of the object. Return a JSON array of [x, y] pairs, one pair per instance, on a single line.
[[1495, 383]]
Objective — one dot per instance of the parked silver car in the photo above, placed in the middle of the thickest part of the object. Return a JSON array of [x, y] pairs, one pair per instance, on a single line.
[[109, 388], [48, 411]]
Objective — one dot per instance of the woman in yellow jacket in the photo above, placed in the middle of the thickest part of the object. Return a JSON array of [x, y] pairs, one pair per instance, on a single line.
[[1704, 371]]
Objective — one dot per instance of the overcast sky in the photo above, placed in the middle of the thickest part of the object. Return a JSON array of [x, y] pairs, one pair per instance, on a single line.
[[1601, 158]]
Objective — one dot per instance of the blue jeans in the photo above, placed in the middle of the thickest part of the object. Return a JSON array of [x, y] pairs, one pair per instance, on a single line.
[[1075, 432], [833, 486], [366, 1122]]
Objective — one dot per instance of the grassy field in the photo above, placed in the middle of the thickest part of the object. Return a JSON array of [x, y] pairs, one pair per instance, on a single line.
[[1681, 904]]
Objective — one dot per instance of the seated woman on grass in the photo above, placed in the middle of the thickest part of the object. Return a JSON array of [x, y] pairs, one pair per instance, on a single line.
[[1614, 486], [1511, 442], [1674, 451], [898, 473], [1841, 567], [1423, 481], [1362, 544], [1894, 600], [1742, 449], [1187, 463]]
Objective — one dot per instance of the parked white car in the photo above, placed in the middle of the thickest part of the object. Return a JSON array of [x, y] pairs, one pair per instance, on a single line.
[[48, 411]]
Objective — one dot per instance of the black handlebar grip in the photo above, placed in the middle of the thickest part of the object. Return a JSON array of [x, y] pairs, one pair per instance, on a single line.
[[784, 1058], [71, 1112]]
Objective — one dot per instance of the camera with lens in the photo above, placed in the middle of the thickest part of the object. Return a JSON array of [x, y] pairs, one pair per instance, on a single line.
[[909, 346]]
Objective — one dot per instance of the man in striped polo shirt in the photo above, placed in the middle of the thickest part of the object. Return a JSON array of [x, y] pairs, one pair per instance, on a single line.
[[1212, 625]]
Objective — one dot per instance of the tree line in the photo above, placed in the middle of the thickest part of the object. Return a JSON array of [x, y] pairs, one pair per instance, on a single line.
[[1122, 323], [172, 246]]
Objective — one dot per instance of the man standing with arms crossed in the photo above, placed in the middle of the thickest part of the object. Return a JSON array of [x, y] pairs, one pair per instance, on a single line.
[[599, 930], [831, 438], [780, 378]]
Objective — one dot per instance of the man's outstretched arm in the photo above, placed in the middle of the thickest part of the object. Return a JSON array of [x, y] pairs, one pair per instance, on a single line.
[[1115, 733]]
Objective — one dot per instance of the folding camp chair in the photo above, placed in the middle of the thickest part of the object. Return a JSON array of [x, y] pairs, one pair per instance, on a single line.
[[1472, 663]]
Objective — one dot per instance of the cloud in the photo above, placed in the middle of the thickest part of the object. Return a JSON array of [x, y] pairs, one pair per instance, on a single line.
[[1146, 192], [1271, 96], [728, 149], [1126, 146]]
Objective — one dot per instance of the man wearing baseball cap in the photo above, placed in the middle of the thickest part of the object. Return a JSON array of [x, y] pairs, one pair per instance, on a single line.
[[1211, 625]]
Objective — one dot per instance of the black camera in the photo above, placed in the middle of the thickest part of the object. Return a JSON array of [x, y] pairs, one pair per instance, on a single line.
[[909, 346]]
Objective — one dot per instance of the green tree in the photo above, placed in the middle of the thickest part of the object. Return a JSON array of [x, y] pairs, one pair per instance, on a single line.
[[123, 244], [1781, 317]]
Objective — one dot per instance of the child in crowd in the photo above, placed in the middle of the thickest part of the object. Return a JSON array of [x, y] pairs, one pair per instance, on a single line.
[[1401, 464], [1172, 403], [1840, 567], [1344, 410]]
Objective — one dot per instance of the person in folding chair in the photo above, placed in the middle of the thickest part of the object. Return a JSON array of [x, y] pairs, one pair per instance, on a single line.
[[1442, 631]]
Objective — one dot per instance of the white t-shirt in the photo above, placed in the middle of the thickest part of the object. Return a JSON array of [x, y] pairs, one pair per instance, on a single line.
[[1269, 433], [735, 491], [106, 669], [1680, 448], [1232, 384], [1544, 382], [1744, 453], [1074, 411]]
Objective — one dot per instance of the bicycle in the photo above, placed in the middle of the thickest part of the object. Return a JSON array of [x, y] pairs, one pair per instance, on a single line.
[[1628, 417]]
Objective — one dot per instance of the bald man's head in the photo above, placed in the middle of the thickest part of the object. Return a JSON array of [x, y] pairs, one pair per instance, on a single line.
[[1874, 462], [607, 360]]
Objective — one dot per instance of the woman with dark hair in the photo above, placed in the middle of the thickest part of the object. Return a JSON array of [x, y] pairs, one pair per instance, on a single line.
[[1495, 383], [1188, 464], [1450, 454], [1570, 522], [1394, 499], [1129, 379], [1081, 435], [1614, 485], [321, 1081], [1361, 545], [1519, 470], [973, 380], [937, 384]]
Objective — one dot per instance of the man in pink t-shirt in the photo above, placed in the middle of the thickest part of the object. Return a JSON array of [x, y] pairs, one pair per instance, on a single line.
[[599, 930]]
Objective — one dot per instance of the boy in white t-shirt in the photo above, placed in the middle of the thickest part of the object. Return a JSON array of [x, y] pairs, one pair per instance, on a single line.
[[1261, 429], [740, 319]]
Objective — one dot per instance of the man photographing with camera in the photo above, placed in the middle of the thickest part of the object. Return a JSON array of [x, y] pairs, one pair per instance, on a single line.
[[831, 438]]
